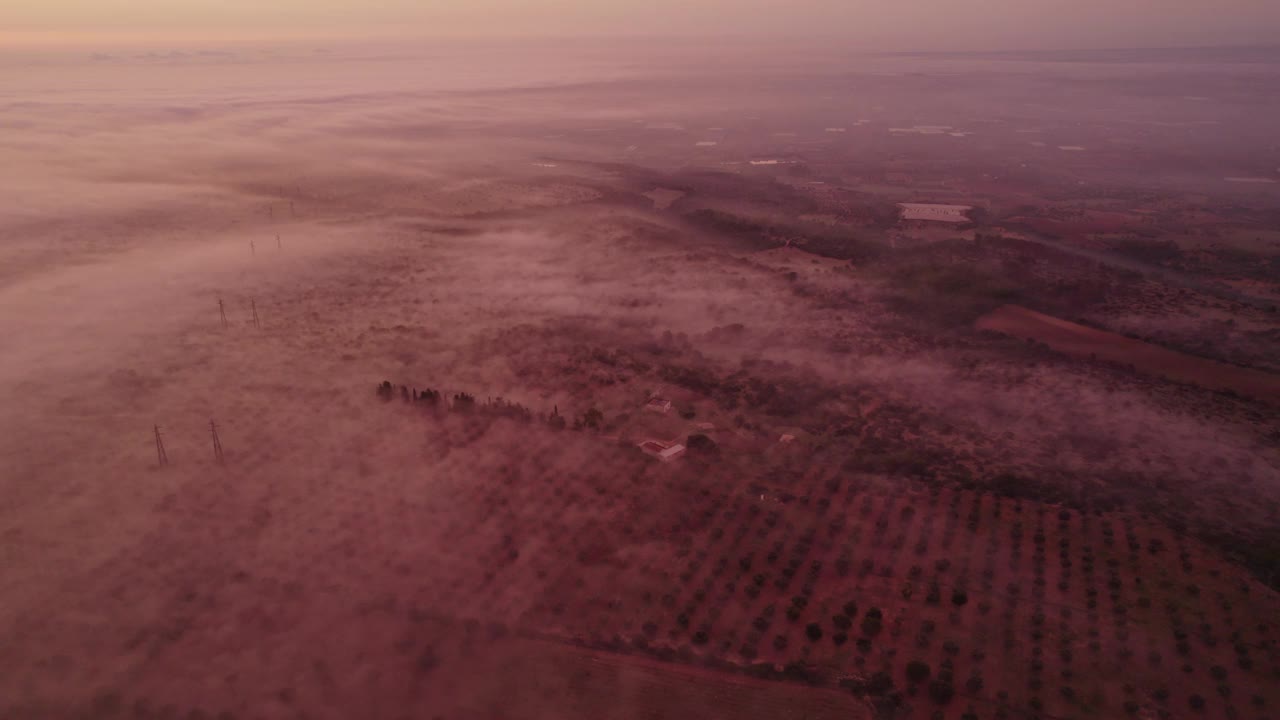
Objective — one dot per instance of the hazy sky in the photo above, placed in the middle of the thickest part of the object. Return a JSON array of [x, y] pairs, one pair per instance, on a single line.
[[878, 24]]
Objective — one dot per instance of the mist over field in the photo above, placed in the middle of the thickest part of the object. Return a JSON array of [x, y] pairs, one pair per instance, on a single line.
[[567, 260]]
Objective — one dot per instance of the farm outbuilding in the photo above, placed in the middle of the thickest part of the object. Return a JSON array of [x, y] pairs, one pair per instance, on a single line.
[[664, 451], [935, 213], [658, 405]]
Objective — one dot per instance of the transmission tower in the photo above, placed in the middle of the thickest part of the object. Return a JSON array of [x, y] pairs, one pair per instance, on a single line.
[[222, 310], [217, 444], [161, 456], [254, 305]]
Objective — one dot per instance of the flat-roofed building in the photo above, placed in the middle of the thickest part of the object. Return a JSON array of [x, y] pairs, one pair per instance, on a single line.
[[658, 405], [935, 213], [664, 451]]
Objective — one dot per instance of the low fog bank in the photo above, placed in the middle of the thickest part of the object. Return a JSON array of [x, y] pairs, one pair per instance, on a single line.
[[198, 244]]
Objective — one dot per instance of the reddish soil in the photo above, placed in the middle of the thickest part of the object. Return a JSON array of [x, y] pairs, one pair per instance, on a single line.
[[1082, 341]]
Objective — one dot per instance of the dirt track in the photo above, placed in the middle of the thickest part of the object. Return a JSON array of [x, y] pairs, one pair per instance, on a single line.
[[1081, 341]]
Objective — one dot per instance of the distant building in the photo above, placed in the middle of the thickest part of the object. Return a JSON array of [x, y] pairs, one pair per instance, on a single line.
[[664, 451], [935, 213], [786, 438], [659, 405]]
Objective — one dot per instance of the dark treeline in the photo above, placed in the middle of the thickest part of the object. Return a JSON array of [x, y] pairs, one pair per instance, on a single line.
[[463, 403]]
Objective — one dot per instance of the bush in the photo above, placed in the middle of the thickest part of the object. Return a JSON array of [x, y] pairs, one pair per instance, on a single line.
[[1196, 702], [880, 683], [935, 594], [941, 691], [918, 671], [851, 609], [842, 622], [871, 625], [959, 598], [813, 631], [700, 444], [839, 639]]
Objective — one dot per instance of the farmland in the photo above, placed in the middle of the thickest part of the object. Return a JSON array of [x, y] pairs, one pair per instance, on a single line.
[[332, 404]]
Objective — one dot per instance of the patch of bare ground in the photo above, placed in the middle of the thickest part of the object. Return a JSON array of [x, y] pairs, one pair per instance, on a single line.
[[664, 197], [1081, 341]]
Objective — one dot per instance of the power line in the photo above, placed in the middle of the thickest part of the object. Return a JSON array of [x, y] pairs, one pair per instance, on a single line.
[[161, 456], [217, 444]]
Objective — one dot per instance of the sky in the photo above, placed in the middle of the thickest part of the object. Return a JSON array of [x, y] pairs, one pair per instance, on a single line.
[[874, 24]]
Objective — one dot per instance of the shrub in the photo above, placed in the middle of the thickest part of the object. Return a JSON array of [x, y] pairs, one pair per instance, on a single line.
[[842, 622], [851, 609], [935, 594], [918, 671], [959, 598], [872, 622], [813, 631], [880, 683], [871, 625], [700, 444], [941, 690], [1196, 702]]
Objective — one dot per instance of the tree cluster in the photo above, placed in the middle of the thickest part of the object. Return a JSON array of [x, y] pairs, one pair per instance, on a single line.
[[464, 403]]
